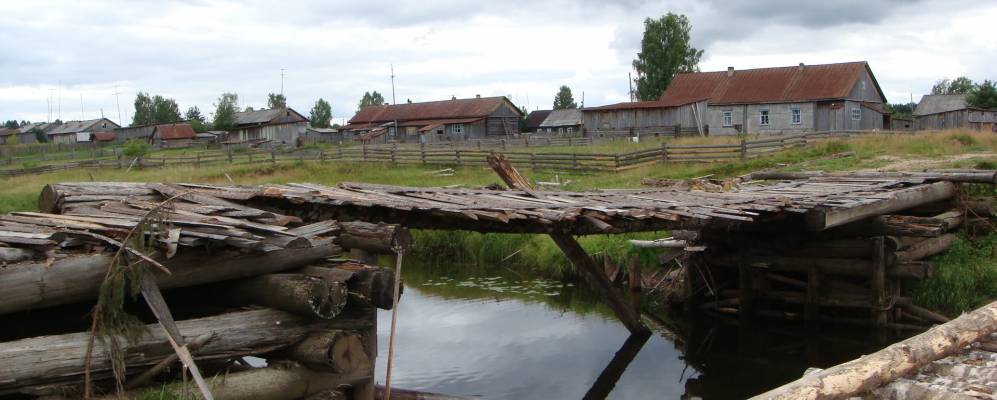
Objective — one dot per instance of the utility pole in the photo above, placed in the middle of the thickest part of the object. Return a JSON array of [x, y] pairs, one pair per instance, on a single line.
[[583, 99], [118, 104], [60, 100], [81, 108], [630, 81], [282, 82], [50, 90], [393, 84]]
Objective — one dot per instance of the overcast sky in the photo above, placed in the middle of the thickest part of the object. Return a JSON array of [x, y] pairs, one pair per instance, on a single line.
[[194, 50]]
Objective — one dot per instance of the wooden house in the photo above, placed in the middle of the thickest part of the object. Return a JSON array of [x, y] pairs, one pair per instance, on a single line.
[[173, 135], [950, 111], [562, 123], [72, 132], [644, 118], [436, 121], [534, 119], [796, 99], [277, 125]]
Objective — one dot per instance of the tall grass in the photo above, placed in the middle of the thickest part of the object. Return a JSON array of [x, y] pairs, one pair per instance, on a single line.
[[965, 277]]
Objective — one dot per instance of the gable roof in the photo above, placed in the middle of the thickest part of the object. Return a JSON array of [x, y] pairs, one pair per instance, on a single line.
[[638, 105], [535, 118], [939, 103], [174, 131], [568, 117], [770, 85], [80, 126], [268, 116], [7, 131], [430, 110]]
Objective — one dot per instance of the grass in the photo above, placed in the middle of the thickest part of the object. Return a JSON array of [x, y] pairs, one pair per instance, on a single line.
[[965, 277]]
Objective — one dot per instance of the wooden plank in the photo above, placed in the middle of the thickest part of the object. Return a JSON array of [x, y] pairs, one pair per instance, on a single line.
[[822, 218]]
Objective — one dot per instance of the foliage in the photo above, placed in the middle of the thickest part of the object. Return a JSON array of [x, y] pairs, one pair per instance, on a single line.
[[154, 110], [563, 100], [664, 52], [960, 85], [901, 110], [11, 124], [40, 135], [249, 109], [321, 114], [225, 109], [371, 99], [983, 95], [276, 100], [136, 148], [194, 114], [965, 277]]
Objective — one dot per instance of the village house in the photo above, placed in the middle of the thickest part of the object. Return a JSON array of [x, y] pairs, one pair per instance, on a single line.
[[72, 132], [436, 121], [950, 111], [644, 118], [796, 99], [27, 133], [173, 135], [325, 135], [534, 119], [8, 136], [135, 132], [102, 137], [562, 123], [276, 125]]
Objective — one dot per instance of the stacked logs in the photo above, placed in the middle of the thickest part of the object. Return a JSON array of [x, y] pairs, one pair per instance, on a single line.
[[851, 274], [264, 301]]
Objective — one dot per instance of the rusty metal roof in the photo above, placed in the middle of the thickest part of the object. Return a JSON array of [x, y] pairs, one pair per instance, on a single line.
[[769, 85], [107, 136], [638, 105], [535, 118], [174, 131], [444, 109]]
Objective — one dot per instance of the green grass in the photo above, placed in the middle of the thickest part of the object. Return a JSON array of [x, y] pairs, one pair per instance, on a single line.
[[965, 277]]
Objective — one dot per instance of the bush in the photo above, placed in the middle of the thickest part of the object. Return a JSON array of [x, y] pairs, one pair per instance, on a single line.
[[136, 148]]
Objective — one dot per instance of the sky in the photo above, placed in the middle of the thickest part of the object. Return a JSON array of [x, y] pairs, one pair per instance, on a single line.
[[77, 55]]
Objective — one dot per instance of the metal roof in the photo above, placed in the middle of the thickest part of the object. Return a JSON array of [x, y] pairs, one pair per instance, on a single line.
[[444, 109], [174, 131], [568, 117], [269, 116], [939, 103], [80, 126], [535, 118], [103, 136], [769, 85]]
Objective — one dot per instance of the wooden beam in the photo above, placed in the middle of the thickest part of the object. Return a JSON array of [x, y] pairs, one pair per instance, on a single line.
[[598, 280], [877, 284], [822, 218]]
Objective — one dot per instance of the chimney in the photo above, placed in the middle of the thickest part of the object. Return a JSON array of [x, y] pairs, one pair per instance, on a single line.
[[801, 67], [730, 71], [477, 96]]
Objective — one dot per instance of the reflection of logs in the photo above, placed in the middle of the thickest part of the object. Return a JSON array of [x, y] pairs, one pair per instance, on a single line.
[[606, 381]]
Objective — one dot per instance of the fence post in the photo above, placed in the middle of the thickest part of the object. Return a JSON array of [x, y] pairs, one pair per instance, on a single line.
[[744, 148], [527, 140], [321, 157], [533, 160], [250, 156], [119, 161], [197, 162], [479, 145], [422, 152], [364, 156], [574, 159], [664, 151], [503, 144], [394, 148], [229, 153], [273, 157], [616, 160], [458, 156]]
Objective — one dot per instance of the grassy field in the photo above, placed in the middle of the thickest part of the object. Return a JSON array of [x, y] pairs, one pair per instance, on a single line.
[[950, 291]]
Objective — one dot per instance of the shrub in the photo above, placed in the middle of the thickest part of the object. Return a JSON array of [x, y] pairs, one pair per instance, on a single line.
[[136, 148]]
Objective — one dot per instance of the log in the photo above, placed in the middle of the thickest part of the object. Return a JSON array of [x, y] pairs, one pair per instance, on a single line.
[[927, 248], [337, 351], [367, 284], [73, 279], [374, 238], [982, 176], [281, 381], [301, 294], [866, 373], [890, 225], [667, 243], [823, 217], [826, 266], [60, 358]]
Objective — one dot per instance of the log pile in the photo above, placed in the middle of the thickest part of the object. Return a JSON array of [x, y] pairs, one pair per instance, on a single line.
[[264, 301], [850, 270]]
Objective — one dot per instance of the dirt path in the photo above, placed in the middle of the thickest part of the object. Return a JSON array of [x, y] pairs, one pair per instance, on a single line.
[[895, 163]]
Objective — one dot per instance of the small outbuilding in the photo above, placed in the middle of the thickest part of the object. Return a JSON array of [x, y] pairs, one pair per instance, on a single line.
[[437, 121], [173, 135], [72, 132], [277, 125], [950, 111], [562, 123], [534, 119]]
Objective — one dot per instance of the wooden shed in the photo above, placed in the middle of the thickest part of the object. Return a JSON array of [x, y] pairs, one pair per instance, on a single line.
[[435, 121]]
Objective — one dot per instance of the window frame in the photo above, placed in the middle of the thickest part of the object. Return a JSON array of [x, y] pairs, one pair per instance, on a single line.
[[457, 129], [795, 116], [856, 113], [727, 118], [764, 117]]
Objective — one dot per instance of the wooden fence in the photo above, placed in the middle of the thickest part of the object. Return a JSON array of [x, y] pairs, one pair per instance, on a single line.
[[459, 155]]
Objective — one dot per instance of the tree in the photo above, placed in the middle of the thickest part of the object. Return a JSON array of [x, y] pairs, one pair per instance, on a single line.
[[664, 52], [11, 124], [960, 85], [165, 111], [371, 99], [902, 110], [276, 101], [40, 135], [144, 110], [983, 95], [249, 109], [225, 109], [193, 114], [564, 100], [321, 114]]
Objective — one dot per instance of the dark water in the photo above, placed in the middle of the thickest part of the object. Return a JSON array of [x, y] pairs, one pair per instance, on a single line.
[[509, 337]]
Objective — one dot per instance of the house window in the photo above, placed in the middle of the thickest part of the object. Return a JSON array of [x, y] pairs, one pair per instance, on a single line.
[[560, 131], [795, 117], [763, 117], [856, 114], [391, 131], [457, 129], [728, 118], [570, 129]]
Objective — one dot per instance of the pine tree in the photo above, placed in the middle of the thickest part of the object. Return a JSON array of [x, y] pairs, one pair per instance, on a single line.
[[564, 99]]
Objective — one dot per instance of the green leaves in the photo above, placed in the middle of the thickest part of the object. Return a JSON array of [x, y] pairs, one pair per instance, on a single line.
[[563, 100], [321, 114], [225, 110], [664, 52]]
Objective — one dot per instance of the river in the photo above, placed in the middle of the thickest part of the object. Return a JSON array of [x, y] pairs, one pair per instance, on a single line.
[[513, 337]]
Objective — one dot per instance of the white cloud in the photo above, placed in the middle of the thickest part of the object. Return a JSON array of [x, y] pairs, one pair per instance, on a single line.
[[195, 50]]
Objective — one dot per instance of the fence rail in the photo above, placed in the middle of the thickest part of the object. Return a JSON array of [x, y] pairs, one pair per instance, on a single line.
[[459, 155]]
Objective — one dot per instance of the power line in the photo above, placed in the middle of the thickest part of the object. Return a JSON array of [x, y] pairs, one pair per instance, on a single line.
[[393, 84]]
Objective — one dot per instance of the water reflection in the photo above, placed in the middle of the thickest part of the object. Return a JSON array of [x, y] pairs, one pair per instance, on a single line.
[[509, 337]]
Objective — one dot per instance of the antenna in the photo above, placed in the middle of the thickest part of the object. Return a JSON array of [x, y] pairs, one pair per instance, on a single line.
[[118, 104], [81, 108], [60, 99], [282, 82], [393, 84], [583, 99], [50, 90], [630, 81]]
